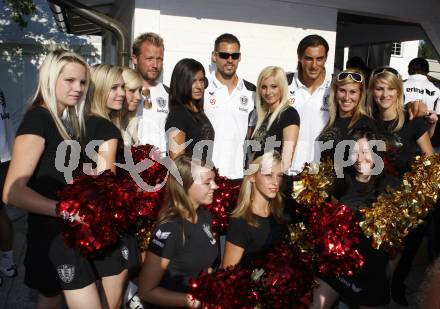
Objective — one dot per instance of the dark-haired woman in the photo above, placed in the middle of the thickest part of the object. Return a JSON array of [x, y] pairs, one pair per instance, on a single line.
[[188, 129], [369, 286], [182, 243]]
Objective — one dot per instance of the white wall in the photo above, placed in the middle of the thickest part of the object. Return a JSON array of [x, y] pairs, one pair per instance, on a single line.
[[22, 51], [400, 63], [269, 31]]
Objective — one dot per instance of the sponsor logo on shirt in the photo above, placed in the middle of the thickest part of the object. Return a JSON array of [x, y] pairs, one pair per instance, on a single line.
[[291, 97], [351, 285], [66, 272], [207, 230], [414, 89], [430, 93], [160, 236], [162, 103], [156, 242], [243, 103]]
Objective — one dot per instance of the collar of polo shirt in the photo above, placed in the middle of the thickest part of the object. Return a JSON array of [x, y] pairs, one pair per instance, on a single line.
[[217, 84], [325, 84]]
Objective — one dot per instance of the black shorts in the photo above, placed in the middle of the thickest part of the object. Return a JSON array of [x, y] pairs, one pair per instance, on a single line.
[[134, 262], [52, 267], [3, 171], [368, 286]]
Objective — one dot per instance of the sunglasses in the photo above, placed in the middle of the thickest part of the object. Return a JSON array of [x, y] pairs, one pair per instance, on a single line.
[[225, 55], [385, 69], [355, 76]]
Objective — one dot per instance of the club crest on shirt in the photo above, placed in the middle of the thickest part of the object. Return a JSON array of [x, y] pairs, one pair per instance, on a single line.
[[162, 103], [66, 272], [207, 230], [243, 103], [124, 252]]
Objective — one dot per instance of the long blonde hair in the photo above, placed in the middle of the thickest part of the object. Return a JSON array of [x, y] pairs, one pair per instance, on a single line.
[[395, 82], [103, 78], [262, 107], [359, 111], [133, 81], [45, 94], [178, 204], [244, 206]]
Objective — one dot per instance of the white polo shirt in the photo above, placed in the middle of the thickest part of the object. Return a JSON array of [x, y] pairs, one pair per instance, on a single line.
[[229, 115], [151, 123], [313, 112], [418, 87], [6, 131]]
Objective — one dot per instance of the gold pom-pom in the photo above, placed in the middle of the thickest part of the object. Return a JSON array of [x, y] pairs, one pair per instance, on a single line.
[[310, 187], [143, 233], [398, 211]]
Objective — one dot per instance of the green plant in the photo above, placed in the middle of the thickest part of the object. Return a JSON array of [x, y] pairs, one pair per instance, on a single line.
[[20, 10]]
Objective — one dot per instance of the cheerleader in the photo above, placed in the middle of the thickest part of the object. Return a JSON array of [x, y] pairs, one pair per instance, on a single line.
[[103, 117], [33, 181], [369, 286], [129, 120], [258, 221], [182, 244], [276, 119], [105, 99], [346, 105], [403, 135]]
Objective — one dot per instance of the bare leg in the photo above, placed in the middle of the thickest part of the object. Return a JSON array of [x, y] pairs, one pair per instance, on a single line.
[[113, 287], [324, 296], [85, 298]]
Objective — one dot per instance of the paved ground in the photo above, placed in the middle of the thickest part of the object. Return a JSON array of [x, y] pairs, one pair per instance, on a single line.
[[14, 294]]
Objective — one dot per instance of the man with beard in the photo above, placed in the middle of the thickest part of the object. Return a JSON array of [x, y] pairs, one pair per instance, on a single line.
[[229, 102], [148, 53], [309, 89]]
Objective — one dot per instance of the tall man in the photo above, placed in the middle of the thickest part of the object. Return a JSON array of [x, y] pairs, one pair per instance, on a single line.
[[229, 102], [147, 57], [148, 52], [309, 89]]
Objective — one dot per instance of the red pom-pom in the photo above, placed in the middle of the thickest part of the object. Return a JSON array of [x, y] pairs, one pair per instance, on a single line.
[[86, 198], [156, 173], [287, 281], [224, 289], [336, 235], [224, 201]]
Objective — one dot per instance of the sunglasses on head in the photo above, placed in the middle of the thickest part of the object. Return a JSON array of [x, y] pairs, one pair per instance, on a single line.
[[225, 55], [385, 69], [355, 76]]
